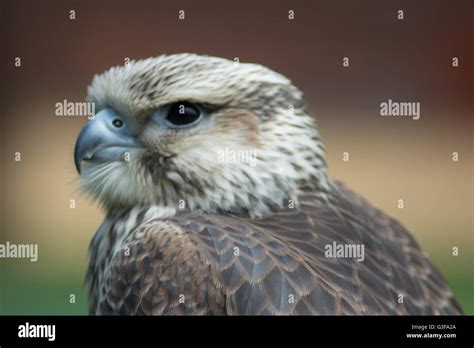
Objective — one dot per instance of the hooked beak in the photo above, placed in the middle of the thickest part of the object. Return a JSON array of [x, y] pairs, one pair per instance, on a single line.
[[105, 138]]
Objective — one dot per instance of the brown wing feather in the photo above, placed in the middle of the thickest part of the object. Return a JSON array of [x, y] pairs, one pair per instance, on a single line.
[[226, 264], [159, 272]]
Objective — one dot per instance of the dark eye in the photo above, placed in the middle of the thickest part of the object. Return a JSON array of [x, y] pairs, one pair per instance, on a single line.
[[183, 114], [117, 123]]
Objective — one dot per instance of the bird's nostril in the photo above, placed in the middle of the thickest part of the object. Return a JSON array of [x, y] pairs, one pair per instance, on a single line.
[[117, 123]]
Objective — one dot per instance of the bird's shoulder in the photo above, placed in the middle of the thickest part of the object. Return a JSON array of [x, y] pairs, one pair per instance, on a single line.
[[158, 270], [203, 263]]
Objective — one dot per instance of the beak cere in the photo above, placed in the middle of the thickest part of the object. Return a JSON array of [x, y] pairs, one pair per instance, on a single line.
[[105, 138]]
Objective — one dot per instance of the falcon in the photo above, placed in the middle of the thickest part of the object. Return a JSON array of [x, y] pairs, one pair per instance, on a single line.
[[261, 230]]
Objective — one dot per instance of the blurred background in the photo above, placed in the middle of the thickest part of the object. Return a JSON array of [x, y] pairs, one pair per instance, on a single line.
[[390, 158]]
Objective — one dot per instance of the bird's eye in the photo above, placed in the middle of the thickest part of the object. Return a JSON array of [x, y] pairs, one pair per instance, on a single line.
[[117, 123], [183, 114]]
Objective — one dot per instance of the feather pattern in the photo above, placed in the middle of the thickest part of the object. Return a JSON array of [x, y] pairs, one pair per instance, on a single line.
[[201, 263]]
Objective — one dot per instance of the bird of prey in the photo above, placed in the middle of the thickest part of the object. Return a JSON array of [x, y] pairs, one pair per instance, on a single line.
[[194, 226]]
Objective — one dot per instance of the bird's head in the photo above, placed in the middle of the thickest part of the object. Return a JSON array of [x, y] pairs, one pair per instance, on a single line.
[[197, 132]]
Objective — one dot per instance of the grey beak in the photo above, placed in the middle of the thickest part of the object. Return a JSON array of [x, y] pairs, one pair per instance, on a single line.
[[107, 137]]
